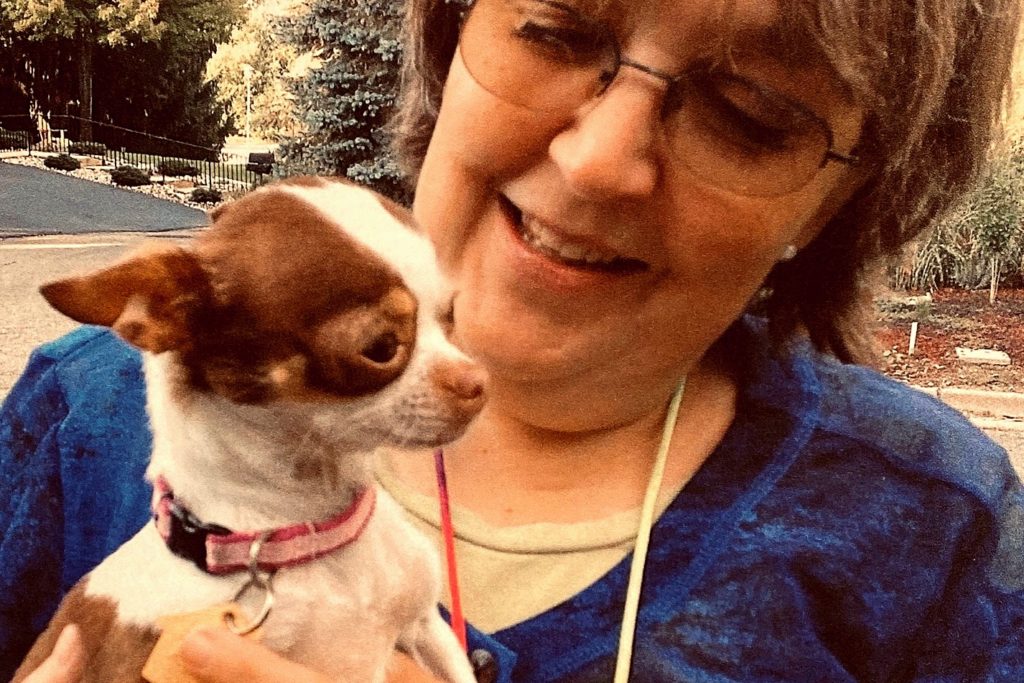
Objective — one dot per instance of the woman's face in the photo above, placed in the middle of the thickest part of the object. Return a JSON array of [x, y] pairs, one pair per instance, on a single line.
[[517, 200]]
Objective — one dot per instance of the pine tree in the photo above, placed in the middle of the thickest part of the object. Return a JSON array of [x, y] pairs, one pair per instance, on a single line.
[[347, 95]]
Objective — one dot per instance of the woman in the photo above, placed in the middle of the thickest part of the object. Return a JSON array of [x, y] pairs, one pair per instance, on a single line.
[[611, 185]]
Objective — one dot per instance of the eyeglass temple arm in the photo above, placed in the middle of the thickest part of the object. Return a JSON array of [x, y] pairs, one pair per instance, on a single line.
[[848, 159]]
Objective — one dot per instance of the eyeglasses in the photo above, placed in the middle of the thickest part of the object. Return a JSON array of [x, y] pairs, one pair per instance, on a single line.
[[730, 131]]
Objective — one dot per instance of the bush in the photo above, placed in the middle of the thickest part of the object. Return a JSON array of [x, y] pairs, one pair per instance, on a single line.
[[129, 176], [176, 167], [88, 148], [980, 241], [62, 162], [13, 139], [206, 195]]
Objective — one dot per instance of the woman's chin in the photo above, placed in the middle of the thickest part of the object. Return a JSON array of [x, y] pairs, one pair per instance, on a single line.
[[520, 352]]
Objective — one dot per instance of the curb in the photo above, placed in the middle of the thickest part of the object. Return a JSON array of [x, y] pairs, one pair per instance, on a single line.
[[995, 424], [980, 403]]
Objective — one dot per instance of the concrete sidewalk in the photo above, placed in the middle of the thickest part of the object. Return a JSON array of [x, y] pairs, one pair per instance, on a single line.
[[997, 409], [999, 414], [26, 321]]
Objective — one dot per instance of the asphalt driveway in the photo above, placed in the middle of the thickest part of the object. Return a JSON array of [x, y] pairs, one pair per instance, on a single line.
[[36, 202]]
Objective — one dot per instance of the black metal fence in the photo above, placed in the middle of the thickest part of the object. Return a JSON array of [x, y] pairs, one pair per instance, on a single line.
[[205, 166]]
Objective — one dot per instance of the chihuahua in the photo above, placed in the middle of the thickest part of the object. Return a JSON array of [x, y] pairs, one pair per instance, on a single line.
[[305, 328]]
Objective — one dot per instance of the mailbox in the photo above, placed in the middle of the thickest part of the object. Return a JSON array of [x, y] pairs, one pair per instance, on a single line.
[[260, 162]]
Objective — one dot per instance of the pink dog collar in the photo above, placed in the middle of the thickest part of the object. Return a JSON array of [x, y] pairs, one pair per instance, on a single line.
[[218, 550]]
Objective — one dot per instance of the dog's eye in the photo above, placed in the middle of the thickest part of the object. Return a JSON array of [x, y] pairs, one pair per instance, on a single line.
[[382, 349]]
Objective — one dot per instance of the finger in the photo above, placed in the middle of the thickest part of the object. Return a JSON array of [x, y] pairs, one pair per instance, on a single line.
[[404, 670], [66, 663], [215, 655]]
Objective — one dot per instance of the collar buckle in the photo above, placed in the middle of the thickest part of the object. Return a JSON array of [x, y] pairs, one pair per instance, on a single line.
[[187, 534]]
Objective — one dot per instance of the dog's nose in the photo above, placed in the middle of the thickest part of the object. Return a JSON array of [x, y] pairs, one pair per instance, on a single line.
[[462, 384]]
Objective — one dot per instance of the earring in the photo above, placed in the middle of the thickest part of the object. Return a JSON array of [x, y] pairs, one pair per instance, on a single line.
[[788, 252]]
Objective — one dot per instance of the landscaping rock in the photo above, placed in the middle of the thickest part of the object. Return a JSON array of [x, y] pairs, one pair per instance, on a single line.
[[88, 162], [981, 356]]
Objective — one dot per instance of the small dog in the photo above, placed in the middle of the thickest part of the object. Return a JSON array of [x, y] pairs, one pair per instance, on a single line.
[[304, 329]]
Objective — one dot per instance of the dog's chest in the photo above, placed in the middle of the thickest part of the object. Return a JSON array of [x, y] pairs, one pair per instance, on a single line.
[[363, 595]]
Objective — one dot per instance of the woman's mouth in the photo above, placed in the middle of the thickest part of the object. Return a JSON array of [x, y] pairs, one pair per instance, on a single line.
[[564, 250]]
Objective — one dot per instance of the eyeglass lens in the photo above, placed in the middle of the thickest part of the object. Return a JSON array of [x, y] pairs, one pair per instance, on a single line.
[[550, 57]]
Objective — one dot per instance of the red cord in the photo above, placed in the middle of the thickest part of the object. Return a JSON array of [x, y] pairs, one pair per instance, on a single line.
[[447, 531]]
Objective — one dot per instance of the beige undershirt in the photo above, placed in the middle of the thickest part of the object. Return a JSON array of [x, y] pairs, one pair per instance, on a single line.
[[509, 574]]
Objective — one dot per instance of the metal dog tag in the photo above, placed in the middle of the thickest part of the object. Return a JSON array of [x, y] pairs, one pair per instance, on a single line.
[[163, 665]]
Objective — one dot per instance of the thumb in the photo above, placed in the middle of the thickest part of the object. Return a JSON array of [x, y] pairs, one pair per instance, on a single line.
[[66, 663], [215, 655]]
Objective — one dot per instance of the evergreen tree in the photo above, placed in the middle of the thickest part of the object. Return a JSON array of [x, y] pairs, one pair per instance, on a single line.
[[348, 94]]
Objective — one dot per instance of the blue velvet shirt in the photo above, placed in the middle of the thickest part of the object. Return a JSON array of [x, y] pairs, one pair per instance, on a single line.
[[846, 529]]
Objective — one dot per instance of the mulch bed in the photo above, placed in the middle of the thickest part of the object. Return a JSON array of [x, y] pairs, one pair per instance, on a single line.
[[956, 318]]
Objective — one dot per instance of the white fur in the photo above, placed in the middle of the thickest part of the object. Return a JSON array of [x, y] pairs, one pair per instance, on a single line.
[[234, 465]]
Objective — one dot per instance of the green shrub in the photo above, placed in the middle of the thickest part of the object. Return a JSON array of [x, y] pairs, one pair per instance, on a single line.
[[62, 162], [129, 176], [176, 167], [978, 242], [206, 195], [88, 148], [13, 139]]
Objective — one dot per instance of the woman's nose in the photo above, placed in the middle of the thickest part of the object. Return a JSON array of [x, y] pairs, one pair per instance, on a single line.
[[608, 151]]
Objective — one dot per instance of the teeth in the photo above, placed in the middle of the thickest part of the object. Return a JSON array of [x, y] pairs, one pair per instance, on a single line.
[[544, 240]]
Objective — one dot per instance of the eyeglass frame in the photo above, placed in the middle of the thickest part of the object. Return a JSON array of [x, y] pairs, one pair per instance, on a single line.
[[830, 154]]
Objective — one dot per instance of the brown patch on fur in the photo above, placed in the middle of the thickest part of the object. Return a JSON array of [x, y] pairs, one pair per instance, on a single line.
[[461, 384], [321, 470], [116, 652], [273, 302], [218, 211], [287, 282], [309, 181], [149, 299]]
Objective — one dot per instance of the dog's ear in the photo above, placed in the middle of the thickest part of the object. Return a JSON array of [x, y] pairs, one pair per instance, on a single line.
[[148, 299]]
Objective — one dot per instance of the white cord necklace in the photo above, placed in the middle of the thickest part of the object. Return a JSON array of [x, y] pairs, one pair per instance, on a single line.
[[643, 539]]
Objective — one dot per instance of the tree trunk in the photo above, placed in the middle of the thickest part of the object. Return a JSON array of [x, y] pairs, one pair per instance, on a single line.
[[993, 283], [86, 46]]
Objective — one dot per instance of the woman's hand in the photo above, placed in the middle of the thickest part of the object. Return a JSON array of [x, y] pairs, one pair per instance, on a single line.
[[214, 656], [219, 656], [66, 663]]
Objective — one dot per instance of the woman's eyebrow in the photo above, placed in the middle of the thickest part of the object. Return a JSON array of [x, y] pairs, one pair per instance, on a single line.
[[782, 41]]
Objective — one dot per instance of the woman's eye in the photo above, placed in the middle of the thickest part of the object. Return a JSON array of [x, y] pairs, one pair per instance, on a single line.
[[566, 41], [753, 118]]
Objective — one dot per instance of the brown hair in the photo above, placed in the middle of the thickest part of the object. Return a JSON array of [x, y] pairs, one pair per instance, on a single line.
[[933, 76]]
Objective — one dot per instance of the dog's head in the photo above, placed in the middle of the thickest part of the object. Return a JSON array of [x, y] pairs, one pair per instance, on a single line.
[[312, 293]]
